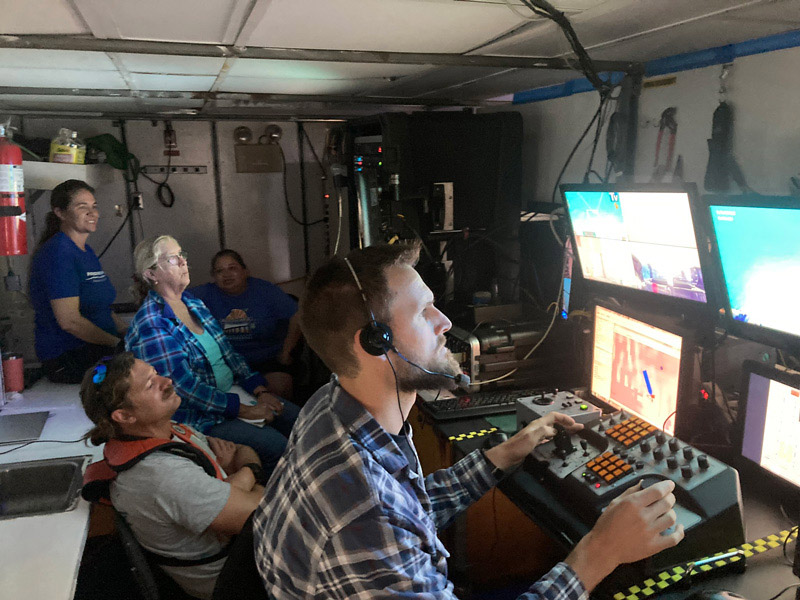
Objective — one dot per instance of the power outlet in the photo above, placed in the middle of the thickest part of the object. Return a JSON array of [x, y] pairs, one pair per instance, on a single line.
[[137, 200]]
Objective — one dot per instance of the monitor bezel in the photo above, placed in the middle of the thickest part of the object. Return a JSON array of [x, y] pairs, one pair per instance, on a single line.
[[750, 331], [672, 304], [685, 370], [786, 377]]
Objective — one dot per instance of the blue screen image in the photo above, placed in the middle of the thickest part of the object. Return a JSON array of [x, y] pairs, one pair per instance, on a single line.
[[759, 249], [641, 240]]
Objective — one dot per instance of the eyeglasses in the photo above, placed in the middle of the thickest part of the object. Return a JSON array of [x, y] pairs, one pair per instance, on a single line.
[[176, 259]]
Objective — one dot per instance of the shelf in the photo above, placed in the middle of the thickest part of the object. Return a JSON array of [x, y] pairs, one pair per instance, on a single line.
[[47, 175]]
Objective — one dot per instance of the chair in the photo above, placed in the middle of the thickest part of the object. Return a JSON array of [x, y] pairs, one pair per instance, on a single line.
[[152, 582], [239, 578]]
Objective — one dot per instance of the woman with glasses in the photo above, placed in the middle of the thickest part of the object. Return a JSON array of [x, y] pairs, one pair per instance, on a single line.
[[175, 333], [70, 293]]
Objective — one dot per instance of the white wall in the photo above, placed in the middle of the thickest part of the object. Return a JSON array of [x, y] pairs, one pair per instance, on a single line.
[[254, 210], [764, 93]]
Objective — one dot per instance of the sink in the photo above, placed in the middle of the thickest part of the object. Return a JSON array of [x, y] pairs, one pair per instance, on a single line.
[[41, 486]]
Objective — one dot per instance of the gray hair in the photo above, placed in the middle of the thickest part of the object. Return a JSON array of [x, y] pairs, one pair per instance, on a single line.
[[145, 256]]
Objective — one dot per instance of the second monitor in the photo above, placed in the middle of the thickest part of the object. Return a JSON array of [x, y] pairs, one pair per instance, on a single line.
[[637, 367]]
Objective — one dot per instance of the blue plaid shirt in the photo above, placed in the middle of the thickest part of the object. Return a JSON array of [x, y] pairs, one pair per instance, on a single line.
[[159, 338], [345, 515]]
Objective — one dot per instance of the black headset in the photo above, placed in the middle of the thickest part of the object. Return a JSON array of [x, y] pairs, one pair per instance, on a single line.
[[375, 337]]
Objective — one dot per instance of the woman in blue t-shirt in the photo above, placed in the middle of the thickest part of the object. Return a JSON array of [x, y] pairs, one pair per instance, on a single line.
[[258, 318], [70, 292]]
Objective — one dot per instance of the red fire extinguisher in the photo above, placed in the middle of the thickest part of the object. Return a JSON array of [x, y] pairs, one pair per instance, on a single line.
[[13, 230]]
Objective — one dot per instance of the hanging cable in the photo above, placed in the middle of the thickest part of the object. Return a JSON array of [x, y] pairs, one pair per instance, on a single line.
[[286, 195]]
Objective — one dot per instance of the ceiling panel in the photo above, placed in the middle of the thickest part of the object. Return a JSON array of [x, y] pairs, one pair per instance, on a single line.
[[71, 103], [387, 25], [54, 59], [300, 69], [168, 20], [265, 85], [61, 78], [178, 65], [432, 79], [39, 16], [175, 83]]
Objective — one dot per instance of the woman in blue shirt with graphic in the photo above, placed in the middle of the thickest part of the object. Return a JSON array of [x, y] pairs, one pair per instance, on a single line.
[[70, 292], [175, 333], [258, 318]]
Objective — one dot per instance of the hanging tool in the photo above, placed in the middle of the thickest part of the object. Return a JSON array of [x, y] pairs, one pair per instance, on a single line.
[[669, 124]]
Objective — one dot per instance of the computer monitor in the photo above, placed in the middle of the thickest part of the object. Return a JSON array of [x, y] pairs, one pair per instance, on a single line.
[[636, 367], [758, 251], [638, 238], [770, 420]]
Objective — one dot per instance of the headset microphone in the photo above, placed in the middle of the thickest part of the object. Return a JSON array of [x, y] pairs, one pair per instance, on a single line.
[[461, 379]]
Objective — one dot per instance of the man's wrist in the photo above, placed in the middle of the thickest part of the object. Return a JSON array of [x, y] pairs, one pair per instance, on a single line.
[[497, 472]]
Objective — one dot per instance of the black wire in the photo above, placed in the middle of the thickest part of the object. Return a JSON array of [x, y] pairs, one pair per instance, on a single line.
[[163, 186], [402, 416], [116, 233], [575, 149], [286, 195], [545, 9], [41, 442], [786, 540], [784, 590]]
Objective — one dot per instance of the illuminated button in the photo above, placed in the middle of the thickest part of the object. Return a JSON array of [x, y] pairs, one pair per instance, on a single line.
[[626, 468], [584, 407]]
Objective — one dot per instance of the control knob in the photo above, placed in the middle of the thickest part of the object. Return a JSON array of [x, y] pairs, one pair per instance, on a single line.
[[686, 471], [673, 445], [658, 455], [687, 453], [645, 446], [672, 463], [660, 438], [702, 462]]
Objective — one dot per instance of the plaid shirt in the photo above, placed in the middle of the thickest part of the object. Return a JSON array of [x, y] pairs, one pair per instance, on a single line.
[[159, 338], [348, 517]]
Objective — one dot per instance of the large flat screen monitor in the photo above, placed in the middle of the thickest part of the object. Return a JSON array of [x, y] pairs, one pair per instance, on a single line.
[[636, 367], [640, 238], [771, 420], [757, 241]]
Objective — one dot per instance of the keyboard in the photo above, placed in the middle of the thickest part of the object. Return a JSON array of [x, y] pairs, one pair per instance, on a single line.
[[476, 404]]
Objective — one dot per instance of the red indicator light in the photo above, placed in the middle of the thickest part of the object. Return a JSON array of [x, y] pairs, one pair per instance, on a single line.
[[380, 149], [597, 486]]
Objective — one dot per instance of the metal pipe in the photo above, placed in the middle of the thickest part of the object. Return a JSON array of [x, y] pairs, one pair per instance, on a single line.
[[218, 185], [92, 44], [301, 152]]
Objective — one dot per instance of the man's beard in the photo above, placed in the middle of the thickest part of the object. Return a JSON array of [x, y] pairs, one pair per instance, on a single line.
[[410, 378]]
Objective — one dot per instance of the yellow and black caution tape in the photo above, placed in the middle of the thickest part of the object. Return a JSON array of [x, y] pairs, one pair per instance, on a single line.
[[471, 434], [658, 583]]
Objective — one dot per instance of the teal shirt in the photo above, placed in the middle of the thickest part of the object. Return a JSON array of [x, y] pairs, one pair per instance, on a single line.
[[222, 372]]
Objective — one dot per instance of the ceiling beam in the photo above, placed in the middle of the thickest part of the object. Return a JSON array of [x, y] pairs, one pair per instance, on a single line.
[[91, 44], [234, 96]]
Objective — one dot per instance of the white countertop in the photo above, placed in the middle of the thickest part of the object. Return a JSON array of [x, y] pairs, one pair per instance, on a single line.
[[40, 555]]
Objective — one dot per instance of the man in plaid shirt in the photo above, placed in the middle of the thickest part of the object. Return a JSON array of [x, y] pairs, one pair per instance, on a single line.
[[347, 513]]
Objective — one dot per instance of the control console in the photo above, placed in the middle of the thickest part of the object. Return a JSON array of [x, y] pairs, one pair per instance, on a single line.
[[530, 408], [587, 470]]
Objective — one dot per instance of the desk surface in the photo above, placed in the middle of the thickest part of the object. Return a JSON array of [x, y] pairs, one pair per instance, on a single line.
[[766, 574], [40, 555]]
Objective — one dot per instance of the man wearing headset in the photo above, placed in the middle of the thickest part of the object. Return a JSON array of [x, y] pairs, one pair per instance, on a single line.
[[347, 513]]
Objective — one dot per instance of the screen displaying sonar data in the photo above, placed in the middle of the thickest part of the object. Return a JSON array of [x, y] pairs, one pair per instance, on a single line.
[[643, 240], [636, 367], [771, 435], [759, 250]]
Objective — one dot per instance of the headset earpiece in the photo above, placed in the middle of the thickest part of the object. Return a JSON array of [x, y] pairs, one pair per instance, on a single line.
[[376, 338]]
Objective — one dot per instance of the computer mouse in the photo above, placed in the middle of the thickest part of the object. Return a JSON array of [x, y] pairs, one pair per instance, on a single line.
[[711, 594], [495, 438]]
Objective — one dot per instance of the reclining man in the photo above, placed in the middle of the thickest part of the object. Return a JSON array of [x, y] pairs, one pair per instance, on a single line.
[[170, 482], [347, 513]]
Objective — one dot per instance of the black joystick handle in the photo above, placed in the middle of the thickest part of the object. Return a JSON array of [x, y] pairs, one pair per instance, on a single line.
[[562, 441]]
